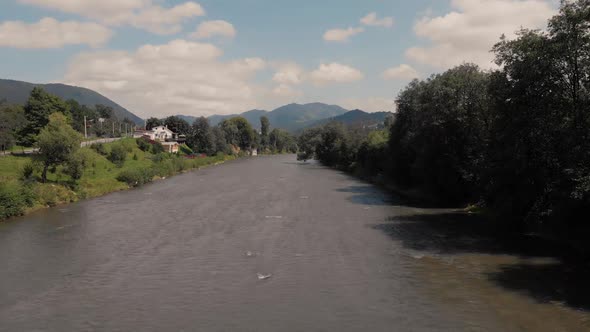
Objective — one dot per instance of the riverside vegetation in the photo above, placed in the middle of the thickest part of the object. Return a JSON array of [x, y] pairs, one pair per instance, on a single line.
[[515, 141], [63, 172]]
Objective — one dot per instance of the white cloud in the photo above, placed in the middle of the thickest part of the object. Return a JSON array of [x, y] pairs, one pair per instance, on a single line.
[[372, 20], [142, 14], [209, 29], [289, 73], [50, 33], [335, 73], [284, 90], [180, 77], [341, 35], [468, 33], [401, 72], [371, 104]]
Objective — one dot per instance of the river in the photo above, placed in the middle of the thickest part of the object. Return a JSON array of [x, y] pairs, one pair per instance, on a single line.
[[184, 254]]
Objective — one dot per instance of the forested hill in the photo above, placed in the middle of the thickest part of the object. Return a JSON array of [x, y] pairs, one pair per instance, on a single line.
[[17, 92], [356, 118], [290, 117]]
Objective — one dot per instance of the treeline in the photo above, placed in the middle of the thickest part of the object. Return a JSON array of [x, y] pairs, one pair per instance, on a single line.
[[515, 139], [231, 136], [20, 125]]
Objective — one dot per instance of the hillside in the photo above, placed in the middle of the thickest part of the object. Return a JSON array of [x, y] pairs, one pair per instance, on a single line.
[[291, 117], [17, 92], [355, 118]]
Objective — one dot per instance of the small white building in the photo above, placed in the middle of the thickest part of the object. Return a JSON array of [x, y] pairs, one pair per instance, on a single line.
[[161, 134]]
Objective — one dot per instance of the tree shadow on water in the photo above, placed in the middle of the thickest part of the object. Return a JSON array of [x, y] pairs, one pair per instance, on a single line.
[[367, 195], [545, 270]]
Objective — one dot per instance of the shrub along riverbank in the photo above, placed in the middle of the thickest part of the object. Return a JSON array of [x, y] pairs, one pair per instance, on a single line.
[[104, 168]]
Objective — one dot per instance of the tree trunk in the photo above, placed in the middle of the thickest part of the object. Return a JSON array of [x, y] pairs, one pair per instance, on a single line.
[[44, 174]]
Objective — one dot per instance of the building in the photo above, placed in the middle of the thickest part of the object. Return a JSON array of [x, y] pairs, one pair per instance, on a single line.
[[161, 134]]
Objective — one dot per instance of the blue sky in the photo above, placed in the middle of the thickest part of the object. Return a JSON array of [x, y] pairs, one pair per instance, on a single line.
[[148, 56]]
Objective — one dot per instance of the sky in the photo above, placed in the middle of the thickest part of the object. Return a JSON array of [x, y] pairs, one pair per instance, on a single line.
[[166, 57]]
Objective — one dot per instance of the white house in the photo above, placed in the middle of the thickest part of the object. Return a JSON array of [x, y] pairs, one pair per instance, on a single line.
[[161, 134]]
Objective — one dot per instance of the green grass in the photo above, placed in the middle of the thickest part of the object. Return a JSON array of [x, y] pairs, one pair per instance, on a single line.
[[100, 175]]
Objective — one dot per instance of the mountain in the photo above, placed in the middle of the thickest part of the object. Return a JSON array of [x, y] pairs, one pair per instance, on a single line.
[[354, 118], [252, 116], [291, 117], [188, 118], [17, 92]]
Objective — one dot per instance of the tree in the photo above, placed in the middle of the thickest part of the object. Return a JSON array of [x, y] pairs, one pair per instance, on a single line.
[[438, 140], [57, 143], [307, 143], [281, 141], [238, 132], [105, 112], [37, 110], [177, 125], [264, 132], [78, 113], [219, 141], [12, 120], [201, 138], [153, 122]]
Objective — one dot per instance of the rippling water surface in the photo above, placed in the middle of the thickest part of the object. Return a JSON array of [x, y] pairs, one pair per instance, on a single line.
[[184, 255]]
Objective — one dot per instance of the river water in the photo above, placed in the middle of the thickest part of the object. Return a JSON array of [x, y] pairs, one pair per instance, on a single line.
[[184, 254]]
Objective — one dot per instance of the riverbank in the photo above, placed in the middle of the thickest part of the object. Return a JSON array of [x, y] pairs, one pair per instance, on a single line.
[[21, 192]]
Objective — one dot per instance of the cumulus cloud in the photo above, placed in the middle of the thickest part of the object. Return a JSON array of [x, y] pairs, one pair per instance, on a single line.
[[180, 77], [371, 104], [341, 35], [468, 32], [372, 20], [284, 90], [335, 73], [209, 29], [50, 33], [401, 72], [289, 73], [142, 14]]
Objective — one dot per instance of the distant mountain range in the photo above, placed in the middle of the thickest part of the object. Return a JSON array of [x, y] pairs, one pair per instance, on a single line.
[[291, 117], [17, 92]]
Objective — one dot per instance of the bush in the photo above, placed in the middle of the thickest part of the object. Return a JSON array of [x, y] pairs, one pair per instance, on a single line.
[[75, 166], [144, 145], [157, 147], [14, 199], [136, 177], [27, 171], [99, 148], [118, 155]]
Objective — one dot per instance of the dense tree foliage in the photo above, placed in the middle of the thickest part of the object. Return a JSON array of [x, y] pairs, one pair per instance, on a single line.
[[57, 143], [177, 125], [201, 137], [264, 132], [516, 139], [153, 122], [37, 110], [280, 140], [239, 132], [12, 120]]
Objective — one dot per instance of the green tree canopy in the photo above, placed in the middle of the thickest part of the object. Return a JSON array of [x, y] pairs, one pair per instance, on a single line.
[[12, 120], [57, 143], [37, 110], [153, 122], [177, 125]]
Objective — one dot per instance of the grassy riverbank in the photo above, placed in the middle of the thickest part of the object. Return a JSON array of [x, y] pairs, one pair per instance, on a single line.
[[21, 193]]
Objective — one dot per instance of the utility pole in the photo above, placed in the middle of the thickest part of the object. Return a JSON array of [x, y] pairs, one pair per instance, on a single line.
[[113, 128], [85, 131]]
